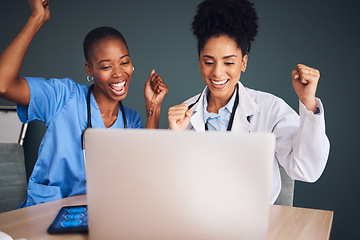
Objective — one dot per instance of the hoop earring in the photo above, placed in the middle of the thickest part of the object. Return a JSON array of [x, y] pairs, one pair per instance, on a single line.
[[89, 78], [133, 69]]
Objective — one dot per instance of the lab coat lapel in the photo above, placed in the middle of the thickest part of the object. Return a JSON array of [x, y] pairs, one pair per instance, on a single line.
[[197, 119], [246, 108]]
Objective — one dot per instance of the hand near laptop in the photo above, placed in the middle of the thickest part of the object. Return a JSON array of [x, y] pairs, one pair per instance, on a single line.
[[179, 116], [154, 92]]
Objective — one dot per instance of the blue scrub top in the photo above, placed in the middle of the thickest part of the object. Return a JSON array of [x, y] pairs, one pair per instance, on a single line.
[[61, 103]]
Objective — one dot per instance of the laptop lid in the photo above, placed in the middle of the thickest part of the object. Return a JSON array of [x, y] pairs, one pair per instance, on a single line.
[[162, 184]]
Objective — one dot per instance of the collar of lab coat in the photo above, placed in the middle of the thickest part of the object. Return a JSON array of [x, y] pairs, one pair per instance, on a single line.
[[247, 107]]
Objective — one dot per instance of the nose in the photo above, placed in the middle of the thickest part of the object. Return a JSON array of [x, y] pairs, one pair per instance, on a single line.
[[218, 70], [117, 71]]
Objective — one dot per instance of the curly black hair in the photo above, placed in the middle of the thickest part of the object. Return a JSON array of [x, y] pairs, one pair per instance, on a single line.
[[98, 34], [236, 19]]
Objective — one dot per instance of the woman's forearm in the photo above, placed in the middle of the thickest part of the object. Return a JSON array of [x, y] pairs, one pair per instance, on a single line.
[[152, 116]]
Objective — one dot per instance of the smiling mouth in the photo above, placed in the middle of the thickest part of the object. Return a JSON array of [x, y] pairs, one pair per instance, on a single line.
[[118, 88], [219, 83]]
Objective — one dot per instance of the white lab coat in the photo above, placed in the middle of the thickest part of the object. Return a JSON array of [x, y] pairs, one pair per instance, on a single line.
[[302, 147]]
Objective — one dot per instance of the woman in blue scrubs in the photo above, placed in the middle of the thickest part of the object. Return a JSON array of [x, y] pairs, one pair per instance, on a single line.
[[65, 106]]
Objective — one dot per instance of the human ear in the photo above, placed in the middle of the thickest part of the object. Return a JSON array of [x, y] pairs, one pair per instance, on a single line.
[[244, 63], [88, 69]]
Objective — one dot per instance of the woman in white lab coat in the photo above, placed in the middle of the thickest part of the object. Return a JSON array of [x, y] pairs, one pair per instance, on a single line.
[[225, 30]]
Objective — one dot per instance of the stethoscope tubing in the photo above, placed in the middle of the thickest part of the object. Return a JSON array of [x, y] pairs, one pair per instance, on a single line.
[[89, 114], [231, 120]]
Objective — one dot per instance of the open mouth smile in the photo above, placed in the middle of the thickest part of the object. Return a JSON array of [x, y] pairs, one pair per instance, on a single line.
[[118, 88], [219, 83]]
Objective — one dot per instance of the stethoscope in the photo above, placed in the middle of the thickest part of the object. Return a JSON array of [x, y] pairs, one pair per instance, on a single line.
[[231, 120], [89, 116]]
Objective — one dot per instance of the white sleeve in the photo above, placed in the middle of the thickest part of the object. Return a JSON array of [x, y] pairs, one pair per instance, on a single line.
[[303, 151]]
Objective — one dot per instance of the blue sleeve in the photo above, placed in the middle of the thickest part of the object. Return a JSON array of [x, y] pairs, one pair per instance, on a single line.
[[47, 99]]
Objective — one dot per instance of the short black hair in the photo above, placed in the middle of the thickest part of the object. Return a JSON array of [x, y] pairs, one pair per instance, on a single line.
[[236, 19], [98, 34]]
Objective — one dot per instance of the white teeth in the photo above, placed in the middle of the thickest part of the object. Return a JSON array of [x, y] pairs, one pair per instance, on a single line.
[[219, 82], [119, 84]]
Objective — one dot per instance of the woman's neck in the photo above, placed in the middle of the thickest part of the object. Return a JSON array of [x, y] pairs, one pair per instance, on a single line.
[[216, 103], [109, 108]]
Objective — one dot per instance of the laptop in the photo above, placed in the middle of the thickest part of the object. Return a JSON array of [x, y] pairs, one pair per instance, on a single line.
[[163, 184]]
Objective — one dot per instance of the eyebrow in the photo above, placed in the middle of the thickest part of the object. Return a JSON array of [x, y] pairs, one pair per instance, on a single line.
[[108, 60], [229, 56]]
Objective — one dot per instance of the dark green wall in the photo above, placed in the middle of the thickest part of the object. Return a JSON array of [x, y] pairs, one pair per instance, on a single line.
[[322, 34]]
